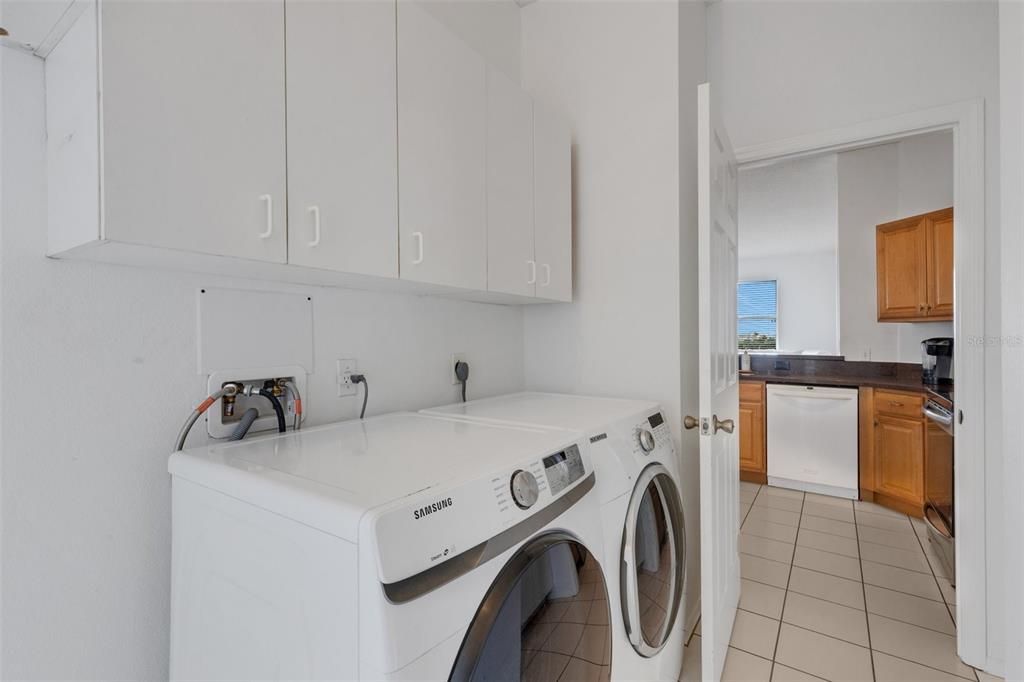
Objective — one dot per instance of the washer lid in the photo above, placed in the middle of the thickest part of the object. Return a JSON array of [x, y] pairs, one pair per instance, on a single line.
[[575, 412], [329, 477]]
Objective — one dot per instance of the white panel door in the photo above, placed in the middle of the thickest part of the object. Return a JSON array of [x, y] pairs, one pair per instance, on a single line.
[[552, 195], [442, 169], [511, 267], [194, 125], [719, 388], [342, 136]]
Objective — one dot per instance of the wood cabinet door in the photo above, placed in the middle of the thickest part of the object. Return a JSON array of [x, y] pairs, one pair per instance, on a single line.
[[511, 266], [193, 134], [899, 458], [552, 191], [442, 160], [901, 269], [939, 239], [752, 455], [342, 141]]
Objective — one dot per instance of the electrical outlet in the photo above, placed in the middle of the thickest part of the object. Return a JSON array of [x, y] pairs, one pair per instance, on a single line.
[[456, 357], [346, 368]]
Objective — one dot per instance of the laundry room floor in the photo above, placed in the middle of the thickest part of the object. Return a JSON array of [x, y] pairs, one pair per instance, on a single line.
[[837, 590]]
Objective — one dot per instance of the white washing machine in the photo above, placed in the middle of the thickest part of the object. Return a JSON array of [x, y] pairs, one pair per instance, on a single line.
[[403, 547], [637, 486]]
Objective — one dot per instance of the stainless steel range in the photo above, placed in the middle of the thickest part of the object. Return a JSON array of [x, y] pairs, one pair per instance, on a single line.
[[940, 507]]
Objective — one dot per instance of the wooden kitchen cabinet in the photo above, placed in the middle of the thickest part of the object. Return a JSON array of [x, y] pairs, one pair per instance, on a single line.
[[914, 268], [897, 451], [753, 455]]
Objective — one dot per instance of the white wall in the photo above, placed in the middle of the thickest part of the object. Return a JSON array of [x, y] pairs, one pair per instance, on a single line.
[[787, 232], [618, 70], [877, 185], [99, 370], [790, 68]]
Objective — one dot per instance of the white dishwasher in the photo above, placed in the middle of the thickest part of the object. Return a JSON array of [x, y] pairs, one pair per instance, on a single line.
[[812, 439]]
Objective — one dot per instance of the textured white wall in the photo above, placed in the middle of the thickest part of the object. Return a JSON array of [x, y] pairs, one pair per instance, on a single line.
[[99, 370]]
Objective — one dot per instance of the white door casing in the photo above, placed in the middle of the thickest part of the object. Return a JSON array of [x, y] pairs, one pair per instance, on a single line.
[[719, 388]]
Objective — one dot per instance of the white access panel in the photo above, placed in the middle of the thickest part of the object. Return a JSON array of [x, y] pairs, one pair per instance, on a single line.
[[812, 439]]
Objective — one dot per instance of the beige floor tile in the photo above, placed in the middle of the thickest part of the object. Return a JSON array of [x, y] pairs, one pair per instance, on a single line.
[[747, 496], [912, 643], [763, 599], [577, 612], [741, 666], [909, 609], [826, 562], [828, 587], [545, 666], [772, 491], [766, 571], [696, 629], [938, 568], [767, 529], [754, 634], [830, 526], [829, 500], [744, 511], [880, 554], [828, 511], [747, 485], [789, 504], [891, 669], [786, 518], [691, 662], [783, 673], [828, 543], [765, 548], [890, 523], [899, 540], [948, 592], [872, 508], [823, 656], [920, 527], [986, 677], [580, 670], [598, 613], [830, 619], [901, 580], [594, 645], [564, 638]]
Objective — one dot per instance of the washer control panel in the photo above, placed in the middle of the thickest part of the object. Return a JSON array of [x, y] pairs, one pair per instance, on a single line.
[[525, 490], [651, 433], [563, 468]]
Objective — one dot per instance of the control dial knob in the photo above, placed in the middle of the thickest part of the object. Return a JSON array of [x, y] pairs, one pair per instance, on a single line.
[[646, 440], [524, 489]]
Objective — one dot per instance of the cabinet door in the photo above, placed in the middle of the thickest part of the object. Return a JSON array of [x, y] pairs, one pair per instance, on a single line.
[[511, 267], [900, 248], [442, 111], [194, 125], [342, 137], [552, 196], [939, 238], [899, 458], [752, 453]]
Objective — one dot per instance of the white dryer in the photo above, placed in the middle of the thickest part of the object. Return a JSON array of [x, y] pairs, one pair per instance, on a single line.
[[637, 486], [403, 547]]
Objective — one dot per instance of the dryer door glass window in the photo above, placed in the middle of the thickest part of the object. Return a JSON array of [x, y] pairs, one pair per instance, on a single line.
[[653, 561], [544, 618]]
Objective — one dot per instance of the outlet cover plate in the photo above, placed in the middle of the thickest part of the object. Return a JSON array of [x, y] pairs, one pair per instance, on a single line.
[[457, 357], [346, 368]]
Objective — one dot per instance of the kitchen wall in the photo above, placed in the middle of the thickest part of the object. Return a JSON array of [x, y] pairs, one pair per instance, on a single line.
[[787, 229], [788, 68], [877, 185], [99, 371], [626, 76]]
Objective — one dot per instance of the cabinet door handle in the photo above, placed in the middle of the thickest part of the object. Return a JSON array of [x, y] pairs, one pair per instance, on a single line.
[[315, 212], [532, 279], [269, 203], [547, 275], [893, 403], [418, 236]]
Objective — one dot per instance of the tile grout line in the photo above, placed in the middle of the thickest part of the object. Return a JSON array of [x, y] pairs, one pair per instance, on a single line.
[[864, 591], [785, 596]]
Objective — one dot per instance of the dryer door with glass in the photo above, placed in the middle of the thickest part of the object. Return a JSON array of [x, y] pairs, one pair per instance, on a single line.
[[653, 560], [545, 617]]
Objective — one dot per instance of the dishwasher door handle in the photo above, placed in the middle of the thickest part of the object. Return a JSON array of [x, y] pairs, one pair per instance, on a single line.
[[812, 395]]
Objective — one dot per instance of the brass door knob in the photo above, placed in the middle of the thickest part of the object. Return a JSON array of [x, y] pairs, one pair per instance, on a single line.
[[726, 425], [690, 422]]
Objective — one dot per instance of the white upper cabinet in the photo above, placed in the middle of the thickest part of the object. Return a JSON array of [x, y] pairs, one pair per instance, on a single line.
[[192, 151], [442, 112], [511, 267], [552, 196], [342, 145]]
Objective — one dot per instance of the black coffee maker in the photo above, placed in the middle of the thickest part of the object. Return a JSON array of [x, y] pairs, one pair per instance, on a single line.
[[937, 360]]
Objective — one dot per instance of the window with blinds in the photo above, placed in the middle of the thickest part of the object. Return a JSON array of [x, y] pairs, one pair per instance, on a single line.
[[757, 315]]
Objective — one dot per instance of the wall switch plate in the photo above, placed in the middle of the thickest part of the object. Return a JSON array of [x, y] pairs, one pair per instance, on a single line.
[[456, 357], [346, 368]]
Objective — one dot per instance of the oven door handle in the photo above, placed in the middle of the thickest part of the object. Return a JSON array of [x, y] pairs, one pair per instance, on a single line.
[[938, 523], [934, 415]]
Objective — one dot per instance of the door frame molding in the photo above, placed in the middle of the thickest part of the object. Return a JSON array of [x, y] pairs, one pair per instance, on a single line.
[[966, 120]]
